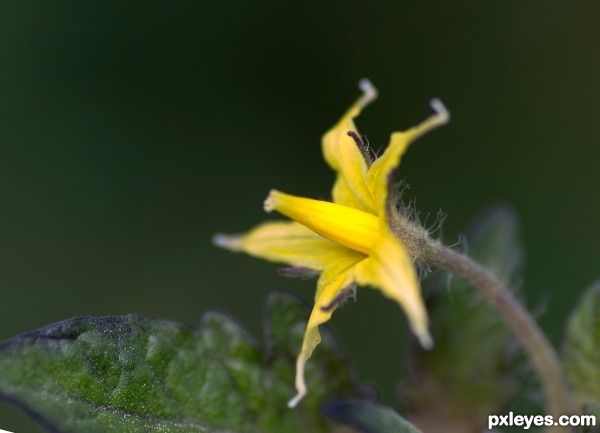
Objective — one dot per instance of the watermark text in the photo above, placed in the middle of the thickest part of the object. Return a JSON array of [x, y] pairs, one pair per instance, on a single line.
[[528, 421]]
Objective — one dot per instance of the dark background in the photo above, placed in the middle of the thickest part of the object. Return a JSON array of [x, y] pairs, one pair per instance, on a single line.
[[130, 133]]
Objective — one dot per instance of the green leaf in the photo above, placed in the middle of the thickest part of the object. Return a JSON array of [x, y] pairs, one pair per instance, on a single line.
[[368, 417], [466, 375], [133, 374], [594, 410], [581, 351]]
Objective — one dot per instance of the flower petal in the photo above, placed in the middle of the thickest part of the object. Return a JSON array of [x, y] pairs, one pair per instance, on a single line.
[[381, 170], [390, 269], [343, 155], [332, 281], [286, 242], [341, 224]]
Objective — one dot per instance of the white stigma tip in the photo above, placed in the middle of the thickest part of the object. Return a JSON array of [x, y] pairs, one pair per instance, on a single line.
[[440, 109], [369, 92]]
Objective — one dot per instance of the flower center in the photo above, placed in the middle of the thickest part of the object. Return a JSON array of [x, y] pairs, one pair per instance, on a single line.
[[344, 225]]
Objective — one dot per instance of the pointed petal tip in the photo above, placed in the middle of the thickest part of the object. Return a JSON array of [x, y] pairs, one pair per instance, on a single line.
[[294, 401], [369, 92], [440, 109], [229, 242]]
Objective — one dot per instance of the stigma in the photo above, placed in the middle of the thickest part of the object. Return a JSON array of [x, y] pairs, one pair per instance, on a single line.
[[341, 224]]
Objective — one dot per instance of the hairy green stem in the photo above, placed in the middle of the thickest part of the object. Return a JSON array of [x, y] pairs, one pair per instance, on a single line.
[[538, 348]]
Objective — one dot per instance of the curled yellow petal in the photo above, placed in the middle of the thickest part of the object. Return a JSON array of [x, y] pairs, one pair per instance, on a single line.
[[344, 156], [344, 225], [331, 282], [390, 269], [384, 166]]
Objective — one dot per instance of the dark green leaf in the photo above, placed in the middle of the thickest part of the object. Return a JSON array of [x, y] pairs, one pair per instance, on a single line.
[[581, 354], [133, 374], [368, 417], [465, 377]]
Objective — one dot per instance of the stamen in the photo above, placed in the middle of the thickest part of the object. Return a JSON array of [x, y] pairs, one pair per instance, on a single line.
[[356, 139], [362, 147], [365, 140], [343, 296], [297, 272]]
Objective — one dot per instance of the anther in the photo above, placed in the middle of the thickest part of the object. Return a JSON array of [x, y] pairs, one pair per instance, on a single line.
[[297, 272], [343, 296], [360, 143]]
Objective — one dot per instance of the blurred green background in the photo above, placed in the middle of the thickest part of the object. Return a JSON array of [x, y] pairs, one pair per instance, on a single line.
[[131, 132]]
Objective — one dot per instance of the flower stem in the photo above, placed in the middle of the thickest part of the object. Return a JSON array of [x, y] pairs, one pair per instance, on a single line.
[[538, 348]]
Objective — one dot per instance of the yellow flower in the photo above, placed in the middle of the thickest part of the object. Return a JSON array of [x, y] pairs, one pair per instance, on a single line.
[[350, 240]]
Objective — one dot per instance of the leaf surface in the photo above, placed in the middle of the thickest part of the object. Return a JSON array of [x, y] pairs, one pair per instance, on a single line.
[[581, 350], [132, 374], [368, 417]]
